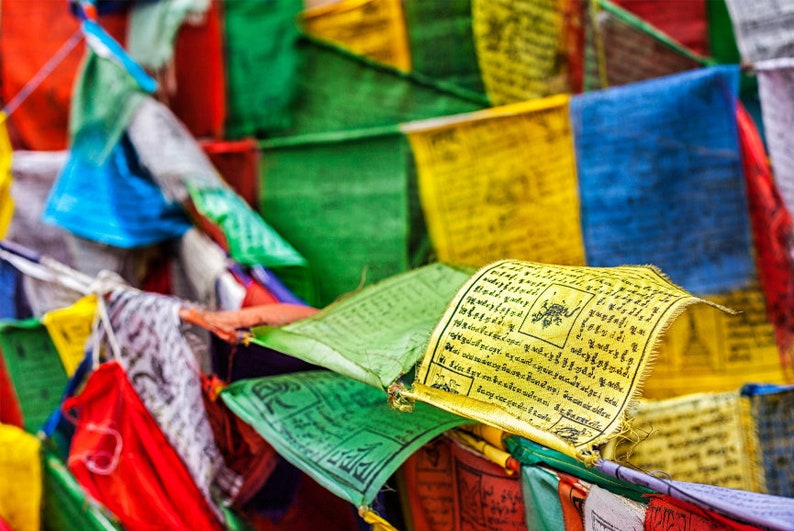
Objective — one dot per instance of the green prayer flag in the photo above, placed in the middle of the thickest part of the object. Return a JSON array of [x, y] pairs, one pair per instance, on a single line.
[[65, 505], [339, 431], [442, 43], [251, 240], [261, 64], [531, 453], [343, 203], [103, 103], [377, 334], [35, 368], [340, 91]]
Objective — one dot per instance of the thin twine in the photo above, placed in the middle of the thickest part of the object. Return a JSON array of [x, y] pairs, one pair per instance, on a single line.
[[34, 82]]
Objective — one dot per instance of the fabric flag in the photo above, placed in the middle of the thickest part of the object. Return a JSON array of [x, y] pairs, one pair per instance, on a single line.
[[442, 42], [243, 449], [34, 174], [485, 495], [604, 510], [707, 438], [426, 486], [153, 131], [69, 329], [259, 104], [666, 188], [250, 239], [200, 63], [163, 369], [120, 456], [6, 177], [373, 28], [20, 497], [110, 86], [572, 493], [773, 231], [42, 36], [763, 510], [339, 431], [722, 41], [11, 296], [153, 27], [339, 91], [775, 86], [771, 409], [10, 411], [709, 351], [762, 29], [529, 453], [35, 369], [187, 174], [664, 512], [114, 203], [67, 506], [500, 182], [376, 335], [686, 24], [539, 488], [519, 46], [622, 49], [551, 353], [358, 187], [238, 163]]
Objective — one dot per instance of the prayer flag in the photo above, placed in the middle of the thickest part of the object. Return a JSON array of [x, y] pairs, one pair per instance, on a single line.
[[376, 335], [373, 28], [551, 353], [20, 468], [667, 186], [339, 431], [120, 456], [500, 183], [35, 369]]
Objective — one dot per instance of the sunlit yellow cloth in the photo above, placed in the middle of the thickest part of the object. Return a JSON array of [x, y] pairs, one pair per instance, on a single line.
[[69, 329], [518, 45], [708, 351], [700, 438], [373, 28], [21, 484], [6, 201], [500, 183], [552, 353]]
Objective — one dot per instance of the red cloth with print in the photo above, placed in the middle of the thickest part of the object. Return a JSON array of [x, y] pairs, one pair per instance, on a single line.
[[773, 231], [120, 456]]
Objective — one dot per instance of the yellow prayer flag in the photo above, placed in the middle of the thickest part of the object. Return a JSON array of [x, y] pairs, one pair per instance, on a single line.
[[21, 487], [500, 183], [552, 353], [702, 438], [373, 28], [518, 45], [708, 351], [6, 201], [69, 329]]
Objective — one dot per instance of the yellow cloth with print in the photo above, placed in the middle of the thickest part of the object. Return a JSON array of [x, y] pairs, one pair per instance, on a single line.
[[552, 353], [6, 201], [500, 183], [518, 45], [708, 351], [69, 329], [373, 28], [21, 483], [701, 438]]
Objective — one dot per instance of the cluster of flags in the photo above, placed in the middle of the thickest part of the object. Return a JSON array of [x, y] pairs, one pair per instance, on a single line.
[[480, 264]]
